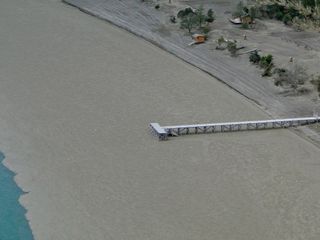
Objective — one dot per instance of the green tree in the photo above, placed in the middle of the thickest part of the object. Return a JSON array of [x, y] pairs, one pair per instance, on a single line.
[[200, 17], [188, 22], [310, 3], [210, 16], [184, 12], [287, 19], [239, 11]]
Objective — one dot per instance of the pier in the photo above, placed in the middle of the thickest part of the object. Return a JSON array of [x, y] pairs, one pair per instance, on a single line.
[[164, 132]]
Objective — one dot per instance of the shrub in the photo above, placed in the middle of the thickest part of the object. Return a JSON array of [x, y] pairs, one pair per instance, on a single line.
[[316, 82], [245, 25], [157, 6], [222, 43], [287, 19], [309, 3], [232, 48], [173, 19], [300, 73], [206, 29], [210, 16], [254, 12], [245, 10], [267, 71], [221, 40], [293, 12], [239, 10], [279, 16], [255, 57], [185, 12], [266, 61], [293, 78], [281, 76], [272, 9], [303, 90]]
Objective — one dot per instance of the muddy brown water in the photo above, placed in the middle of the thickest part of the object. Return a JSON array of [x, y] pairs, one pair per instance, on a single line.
[[77, 95]]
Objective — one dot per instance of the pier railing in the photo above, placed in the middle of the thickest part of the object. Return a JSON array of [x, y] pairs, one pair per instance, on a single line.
[[163, 132]]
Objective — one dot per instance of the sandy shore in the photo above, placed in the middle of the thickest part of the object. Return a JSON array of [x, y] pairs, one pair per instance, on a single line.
[[76, 97], [142, 19]]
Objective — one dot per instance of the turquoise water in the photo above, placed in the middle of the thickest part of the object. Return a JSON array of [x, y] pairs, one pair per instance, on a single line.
[[13, 224]]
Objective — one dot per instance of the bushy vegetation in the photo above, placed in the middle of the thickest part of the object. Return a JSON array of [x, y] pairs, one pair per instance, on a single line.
[[185, 12], [243, 10], [278, 12], [287, 19], [190, 19], [188, 22], [265, 62], [310, 3], [173, 19], [293, 78], [232, 48], [199, 16], [245, 25], [302, 14], [255, 57], [205, 29], [210, 16], [221, 40], [240, 10], [222, 43], [247, 14], [316, 82]]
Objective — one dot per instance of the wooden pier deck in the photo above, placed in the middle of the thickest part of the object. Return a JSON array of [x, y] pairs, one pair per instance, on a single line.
[[163, 132]]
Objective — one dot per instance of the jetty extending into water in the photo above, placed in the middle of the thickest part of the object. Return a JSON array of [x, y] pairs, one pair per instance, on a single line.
[[163, 132]]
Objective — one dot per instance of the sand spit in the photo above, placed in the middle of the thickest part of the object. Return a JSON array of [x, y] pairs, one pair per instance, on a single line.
[[76, 97]]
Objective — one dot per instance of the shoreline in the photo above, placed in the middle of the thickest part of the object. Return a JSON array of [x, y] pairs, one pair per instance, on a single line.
[[120, 24], [277, 108], [74, 128], [15, 225]]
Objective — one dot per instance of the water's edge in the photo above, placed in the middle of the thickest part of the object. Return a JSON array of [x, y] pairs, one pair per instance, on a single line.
[[13, 223]]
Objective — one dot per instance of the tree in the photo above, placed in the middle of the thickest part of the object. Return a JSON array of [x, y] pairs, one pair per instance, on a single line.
[[185, 12], [189, 22], [210, 16], [239, 10], [200, 17], [287, 19], [310, 3]]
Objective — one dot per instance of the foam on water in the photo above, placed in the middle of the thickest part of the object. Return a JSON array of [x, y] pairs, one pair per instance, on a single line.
[[13, 224]]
